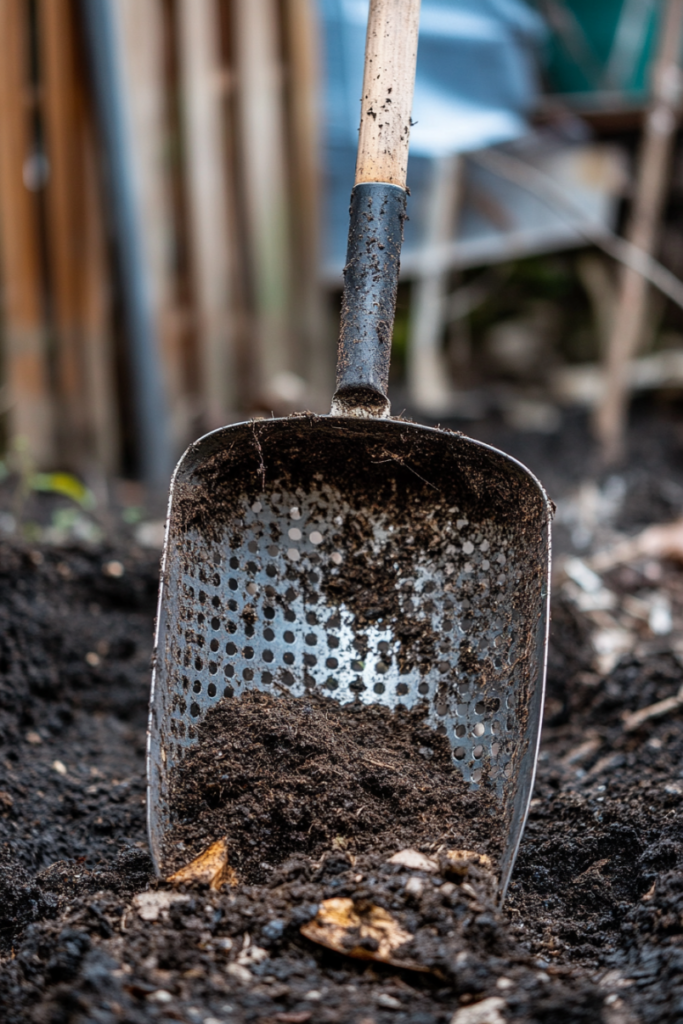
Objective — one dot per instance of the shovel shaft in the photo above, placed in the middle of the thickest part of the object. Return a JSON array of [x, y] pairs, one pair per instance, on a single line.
[[388, 85], [378, 204]]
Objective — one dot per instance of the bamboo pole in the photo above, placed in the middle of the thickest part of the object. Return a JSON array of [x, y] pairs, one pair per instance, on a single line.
[[428, 384], [141, 33], [25, 356], [147, 400], [207, 186], [387, 100], [653, 170], [316, 349], [86, 397], [262, 180]]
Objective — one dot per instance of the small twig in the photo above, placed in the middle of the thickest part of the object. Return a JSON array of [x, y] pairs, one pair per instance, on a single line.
[[546, 189], [658, 710], [262, 466], [402, 462]]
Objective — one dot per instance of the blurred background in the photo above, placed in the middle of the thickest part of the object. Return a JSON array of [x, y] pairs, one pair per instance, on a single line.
[[174, 186]]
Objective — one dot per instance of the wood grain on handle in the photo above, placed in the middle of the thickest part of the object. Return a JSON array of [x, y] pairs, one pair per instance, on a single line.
[[388, 84]]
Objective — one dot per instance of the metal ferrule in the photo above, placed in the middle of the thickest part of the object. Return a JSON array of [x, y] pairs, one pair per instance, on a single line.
[[373, 260]]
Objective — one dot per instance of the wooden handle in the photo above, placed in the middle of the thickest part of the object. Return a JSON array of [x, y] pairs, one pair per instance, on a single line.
[[388, 85]]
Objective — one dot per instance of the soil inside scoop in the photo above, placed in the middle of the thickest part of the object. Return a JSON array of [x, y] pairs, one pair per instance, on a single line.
[[280, 776]]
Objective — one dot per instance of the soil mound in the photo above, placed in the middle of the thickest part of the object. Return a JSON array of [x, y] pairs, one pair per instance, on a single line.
[[280, 776]]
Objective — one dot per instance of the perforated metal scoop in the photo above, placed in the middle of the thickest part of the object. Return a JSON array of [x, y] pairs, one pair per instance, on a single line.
[[366, 558]]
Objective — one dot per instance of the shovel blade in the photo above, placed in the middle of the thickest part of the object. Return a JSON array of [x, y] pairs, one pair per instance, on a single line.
[[369, 560]]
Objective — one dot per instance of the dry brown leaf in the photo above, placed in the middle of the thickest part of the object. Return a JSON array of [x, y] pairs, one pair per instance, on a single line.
[[210, 868], [346, 925]]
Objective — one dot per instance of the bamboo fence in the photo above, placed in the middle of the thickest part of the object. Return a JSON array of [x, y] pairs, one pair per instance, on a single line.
[[222, 103]]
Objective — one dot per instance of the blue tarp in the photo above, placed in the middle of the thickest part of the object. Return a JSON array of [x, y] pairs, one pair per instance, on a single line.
[[476, 82]]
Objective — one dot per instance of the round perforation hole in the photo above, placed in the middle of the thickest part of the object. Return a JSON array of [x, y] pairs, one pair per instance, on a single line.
[[231, 649], [268, 656], [295, 513], [211, 690], [315, 537], [293, 555], [479, 729], [294, 533], [478, 751]]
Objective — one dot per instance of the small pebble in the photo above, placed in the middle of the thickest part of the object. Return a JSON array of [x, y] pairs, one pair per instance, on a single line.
[[485, 1012], [388, 1002], [415, 886], [59, 767], [313, 996], [239, 973], [504, 984], [33, 737], [92, 659], [160, 996], [114, 569]]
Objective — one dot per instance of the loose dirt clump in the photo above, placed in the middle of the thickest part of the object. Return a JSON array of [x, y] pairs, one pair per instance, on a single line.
[[283, 776]]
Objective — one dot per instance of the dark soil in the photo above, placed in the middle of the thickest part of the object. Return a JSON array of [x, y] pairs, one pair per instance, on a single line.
[[592, 930], [281, 776]]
